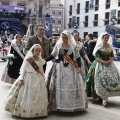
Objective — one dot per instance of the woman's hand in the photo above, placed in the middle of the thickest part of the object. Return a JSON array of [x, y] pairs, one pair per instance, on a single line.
[[78, 70], [21, 82], [89, 62], [106, 63]]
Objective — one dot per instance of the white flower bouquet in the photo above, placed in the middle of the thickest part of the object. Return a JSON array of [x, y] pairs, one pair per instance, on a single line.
[[10, 58]]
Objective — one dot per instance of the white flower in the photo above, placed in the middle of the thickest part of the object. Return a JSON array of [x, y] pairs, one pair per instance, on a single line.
[[10, 55]]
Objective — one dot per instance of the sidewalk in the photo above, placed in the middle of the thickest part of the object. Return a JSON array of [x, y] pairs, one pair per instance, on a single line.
[[95, 111]]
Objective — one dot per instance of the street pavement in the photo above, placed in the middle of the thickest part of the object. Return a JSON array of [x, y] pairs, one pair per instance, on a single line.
[[95, 110]]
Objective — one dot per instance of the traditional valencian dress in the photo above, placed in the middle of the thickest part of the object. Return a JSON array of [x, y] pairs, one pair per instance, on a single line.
[[29, 100], [103, 81], [66, 91], [84, 68], [11, 72]]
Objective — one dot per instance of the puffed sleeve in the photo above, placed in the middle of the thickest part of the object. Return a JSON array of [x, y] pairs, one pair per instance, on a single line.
[[23, 69], [55, 51], [43, 61]]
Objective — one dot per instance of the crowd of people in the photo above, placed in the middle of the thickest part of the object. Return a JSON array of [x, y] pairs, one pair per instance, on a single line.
[[80, 69]]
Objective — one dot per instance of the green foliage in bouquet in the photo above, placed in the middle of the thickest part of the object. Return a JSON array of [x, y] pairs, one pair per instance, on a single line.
[[10, 58]]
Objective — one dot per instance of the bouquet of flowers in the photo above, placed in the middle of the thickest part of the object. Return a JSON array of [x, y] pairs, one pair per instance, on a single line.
[[10, 58]]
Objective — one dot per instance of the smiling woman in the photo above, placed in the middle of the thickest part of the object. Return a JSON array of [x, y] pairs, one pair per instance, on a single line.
[[103, 79]]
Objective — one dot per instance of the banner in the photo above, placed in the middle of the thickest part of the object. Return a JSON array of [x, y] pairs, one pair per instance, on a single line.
[[113, 13], [11, 8], [11, 25], [91, 4], [48, 26]]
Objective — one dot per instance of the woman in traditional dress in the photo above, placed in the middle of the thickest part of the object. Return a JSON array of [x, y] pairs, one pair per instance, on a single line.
[[84, 69], [103, 79], [11, 72], [66, 91], [28, 96]]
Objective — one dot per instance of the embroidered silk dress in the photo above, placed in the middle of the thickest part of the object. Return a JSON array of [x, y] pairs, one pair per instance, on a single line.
[[103, 81], [11, 72], [66, 91], [30, 100], [84, 68]]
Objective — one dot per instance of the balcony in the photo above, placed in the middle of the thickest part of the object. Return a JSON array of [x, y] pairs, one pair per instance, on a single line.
[[107, 5], [96, 7], [85, 23], [95, 23], [86, 9], [21, 3], [70, 12], [69, 25], [78, 11], [6, 2]]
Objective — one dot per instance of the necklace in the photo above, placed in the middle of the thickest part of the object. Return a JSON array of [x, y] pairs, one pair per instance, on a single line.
[[35, 57], [65, 45]]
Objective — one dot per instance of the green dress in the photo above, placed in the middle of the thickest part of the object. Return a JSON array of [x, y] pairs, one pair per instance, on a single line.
[[101, 80]]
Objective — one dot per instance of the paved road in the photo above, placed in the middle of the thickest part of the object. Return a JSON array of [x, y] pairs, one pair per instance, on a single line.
[[95, 111]]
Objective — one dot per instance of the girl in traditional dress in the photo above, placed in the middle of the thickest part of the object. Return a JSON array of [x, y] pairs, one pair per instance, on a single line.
[[83, 55], [29, 100], [11, 72], [65, 85], [103, 79]]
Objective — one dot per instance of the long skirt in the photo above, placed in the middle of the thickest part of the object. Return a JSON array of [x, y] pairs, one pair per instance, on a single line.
[[84, 69], [66, 90], [102, 81], [30, 100], [6, 78], [107, 81]]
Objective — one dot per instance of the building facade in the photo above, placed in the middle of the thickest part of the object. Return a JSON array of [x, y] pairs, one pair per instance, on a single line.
[[57, 14], [91, 16]]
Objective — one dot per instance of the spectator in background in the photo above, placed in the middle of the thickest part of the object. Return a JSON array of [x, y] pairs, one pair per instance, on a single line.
[[91, 45]]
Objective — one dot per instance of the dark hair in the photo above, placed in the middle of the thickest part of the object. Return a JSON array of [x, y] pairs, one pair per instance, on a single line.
[[18, 35], [75, 31], [105, 35], [90, 36], [39, 26]]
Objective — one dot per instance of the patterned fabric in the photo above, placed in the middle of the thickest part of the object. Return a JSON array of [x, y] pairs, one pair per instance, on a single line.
[[103, 81], [30, 100], [84, 68], [66, 91]]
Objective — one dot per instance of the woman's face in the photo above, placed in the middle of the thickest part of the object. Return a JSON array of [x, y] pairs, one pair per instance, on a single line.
[[19, 38], [65, 39], [76, 37], [36, 51], [105, 39]]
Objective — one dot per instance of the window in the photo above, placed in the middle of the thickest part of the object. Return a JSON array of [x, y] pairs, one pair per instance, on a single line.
[[95, 34], [59, 13], [69, 24], [78, 21], [107, 14], [85, 34], [118, 21], [59, 21], [95, 22], [96, 5], [78, 8], [118, 3], [53, 12], [87, 7], [70, 12], [107, 5], [54, 21], [86, 21]]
